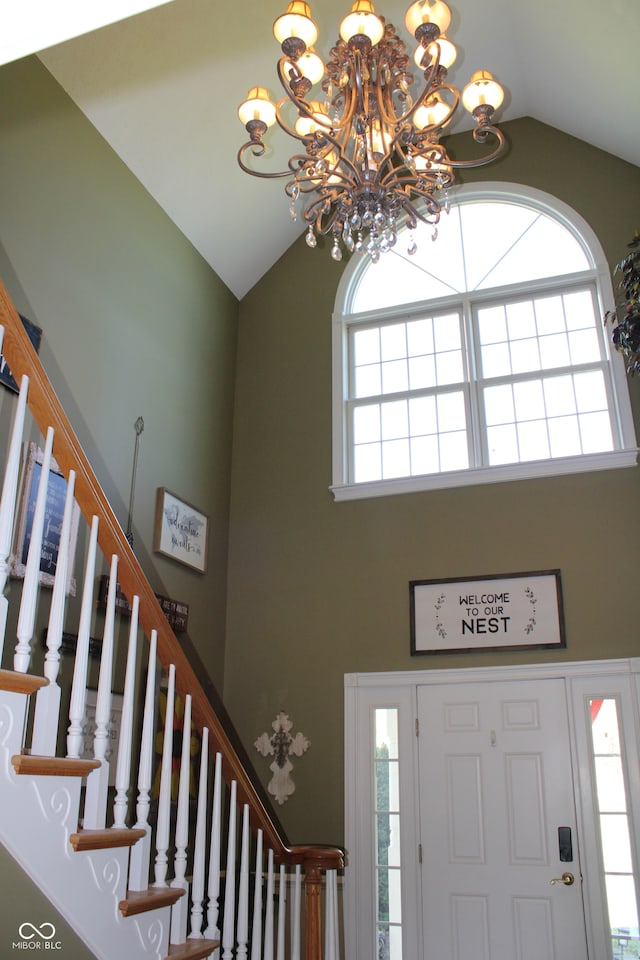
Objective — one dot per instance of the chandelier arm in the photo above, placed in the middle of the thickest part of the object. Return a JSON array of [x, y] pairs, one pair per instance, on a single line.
[[313, 213], [258, 149], [480, 134]]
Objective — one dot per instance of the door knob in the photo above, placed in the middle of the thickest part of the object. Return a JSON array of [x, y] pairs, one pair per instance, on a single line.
[[566, 878]]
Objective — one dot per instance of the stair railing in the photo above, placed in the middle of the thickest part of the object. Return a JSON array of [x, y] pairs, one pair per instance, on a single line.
[[311, 863]]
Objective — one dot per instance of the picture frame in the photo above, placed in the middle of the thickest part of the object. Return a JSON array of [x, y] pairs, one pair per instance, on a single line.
[[180, 531], [54, 511], [35, 335], [501, 611]]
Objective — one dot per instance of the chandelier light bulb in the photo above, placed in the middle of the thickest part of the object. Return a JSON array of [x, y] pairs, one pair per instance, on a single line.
[[482, 91], [305, 126], [296, 24], [431, 114], [311, 66], [448, 53], [427, 11], [257, 106], [362, 21]]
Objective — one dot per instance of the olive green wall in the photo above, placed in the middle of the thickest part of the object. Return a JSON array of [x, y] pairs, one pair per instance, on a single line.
[[134, 323], [318, 589]]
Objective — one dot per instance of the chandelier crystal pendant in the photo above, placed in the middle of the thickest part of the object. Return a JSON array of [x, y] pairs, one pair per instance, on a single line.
[[370, 152]]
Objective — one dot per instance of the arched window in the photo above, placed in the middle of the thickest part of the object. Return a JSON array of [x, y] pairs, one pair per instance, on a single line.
[[480, 357]]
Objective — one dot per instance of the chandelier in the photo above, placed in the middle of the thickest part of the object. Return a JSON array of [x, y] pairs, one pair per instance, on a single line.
[[369, 153]]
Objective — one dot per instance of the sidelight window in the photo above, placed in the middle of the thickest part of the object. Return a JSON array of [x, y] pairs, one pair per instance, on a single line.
[[387, 828], [614, 829]]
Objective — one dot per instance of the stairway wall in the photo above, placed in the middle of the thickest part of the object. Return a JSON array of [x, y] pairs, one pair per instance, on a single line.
[[134, 322]]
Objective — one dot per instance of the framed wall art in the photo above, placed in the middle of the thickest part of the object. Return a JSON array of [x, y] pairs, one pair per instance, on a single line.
[[518, 610], [180, 531], [54, 511], [35, 335]]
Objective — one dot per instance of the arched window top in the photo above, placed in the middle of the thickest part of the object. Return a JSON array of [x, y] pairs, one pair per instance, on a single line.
[[491, 237], [480, 356]]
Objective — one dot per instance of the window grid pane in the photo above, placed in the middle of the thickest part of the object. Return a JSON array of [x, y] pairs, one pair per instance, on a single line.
[[423, 429], [546, 417]]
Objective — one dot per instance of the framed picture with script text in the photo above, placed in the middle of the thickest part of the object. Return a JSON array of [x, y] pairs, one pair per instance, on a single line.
[[180, 531]]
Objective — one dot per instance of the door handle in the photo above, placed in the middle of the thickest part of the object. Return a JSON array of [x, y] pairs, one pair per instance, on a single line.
[[567, 879]]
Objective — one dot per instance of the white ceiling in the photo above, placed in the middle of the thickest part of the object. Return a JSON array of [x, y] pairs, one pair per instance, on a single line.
[[163, 87]]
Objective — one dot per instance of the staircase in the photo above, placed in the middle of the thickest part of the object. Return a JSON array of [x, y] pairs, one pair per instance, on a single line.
[[137, 872]]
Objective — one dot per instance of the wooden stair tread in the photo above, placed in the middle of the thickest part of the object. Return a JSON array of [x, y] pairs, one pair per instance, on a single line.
[[140, 901], [15, 682], [104, 839], [24, 763], [192, 949]]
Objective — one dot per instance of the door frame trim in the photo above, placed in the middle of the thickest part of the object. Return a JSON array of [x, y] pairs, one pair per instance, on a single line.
[[363, 691]]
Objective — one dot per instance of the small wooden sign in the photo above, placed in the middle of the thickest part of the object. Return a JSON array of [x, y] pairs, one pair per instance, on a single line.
[[176, 612]]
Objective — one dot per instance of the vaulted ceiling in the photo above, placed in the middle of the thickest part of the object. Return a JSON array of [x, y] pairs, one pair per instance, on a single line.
[[163, 86]]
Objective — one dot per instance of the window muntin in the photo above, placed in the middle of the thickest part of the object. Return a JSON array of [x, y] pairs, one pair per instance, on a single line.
[[523, 371]]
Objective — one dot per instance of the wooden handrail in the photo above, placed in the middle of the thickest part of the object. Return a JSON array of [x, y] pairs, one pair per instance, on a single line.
[[47, 411]]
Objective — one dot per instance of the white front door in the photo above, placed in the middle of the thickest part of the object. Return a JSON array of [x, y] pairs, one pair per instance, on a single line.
[[496, 787]]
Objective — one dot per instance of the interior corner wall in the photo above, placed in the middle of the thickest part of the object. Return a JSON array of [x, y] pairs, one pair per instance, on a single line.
[[318, 589], [134, 322]]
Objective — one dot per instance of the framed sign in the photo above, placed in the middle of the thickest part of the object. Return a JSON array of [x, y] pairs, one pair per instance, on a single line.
[[180, 531], [35, 335], [521, 610], [54, 512]]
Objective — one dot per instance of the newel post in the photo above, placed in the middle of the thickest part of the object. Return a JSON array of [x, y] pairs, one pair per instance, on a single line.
[[313, 911], [316, 861]]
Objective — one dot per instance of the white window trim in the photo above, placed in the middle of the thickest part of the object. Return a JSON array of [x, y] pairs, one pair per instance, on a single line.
[[625, 456]]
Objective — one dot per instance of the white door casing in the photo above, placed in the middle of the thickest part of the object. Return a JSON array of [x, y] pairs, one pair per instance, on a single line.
[[367, 691], [495, 785]]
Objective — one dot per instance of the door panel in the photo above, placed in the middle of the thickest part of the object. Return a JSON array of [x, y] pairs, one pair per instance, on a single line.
[[495, 786]]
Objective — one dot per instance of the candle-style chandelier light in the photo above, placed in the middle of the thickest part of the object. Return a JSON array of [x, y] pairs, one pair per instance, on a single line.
[[370, 151]]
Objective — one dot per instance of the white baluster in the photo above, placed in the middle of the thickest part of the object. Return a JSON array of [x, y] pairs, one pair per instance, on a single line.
[[123, 766], [296, 902], [243, 891], [47, 709], [269, 919], [256, 928], [164, 801], [75, 738], [27, 616], [282, 907], [331, 947], [180, 909], [140, 858], [95, 805], [197, 890], [228, 922], [8, 501], [212, 931]]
